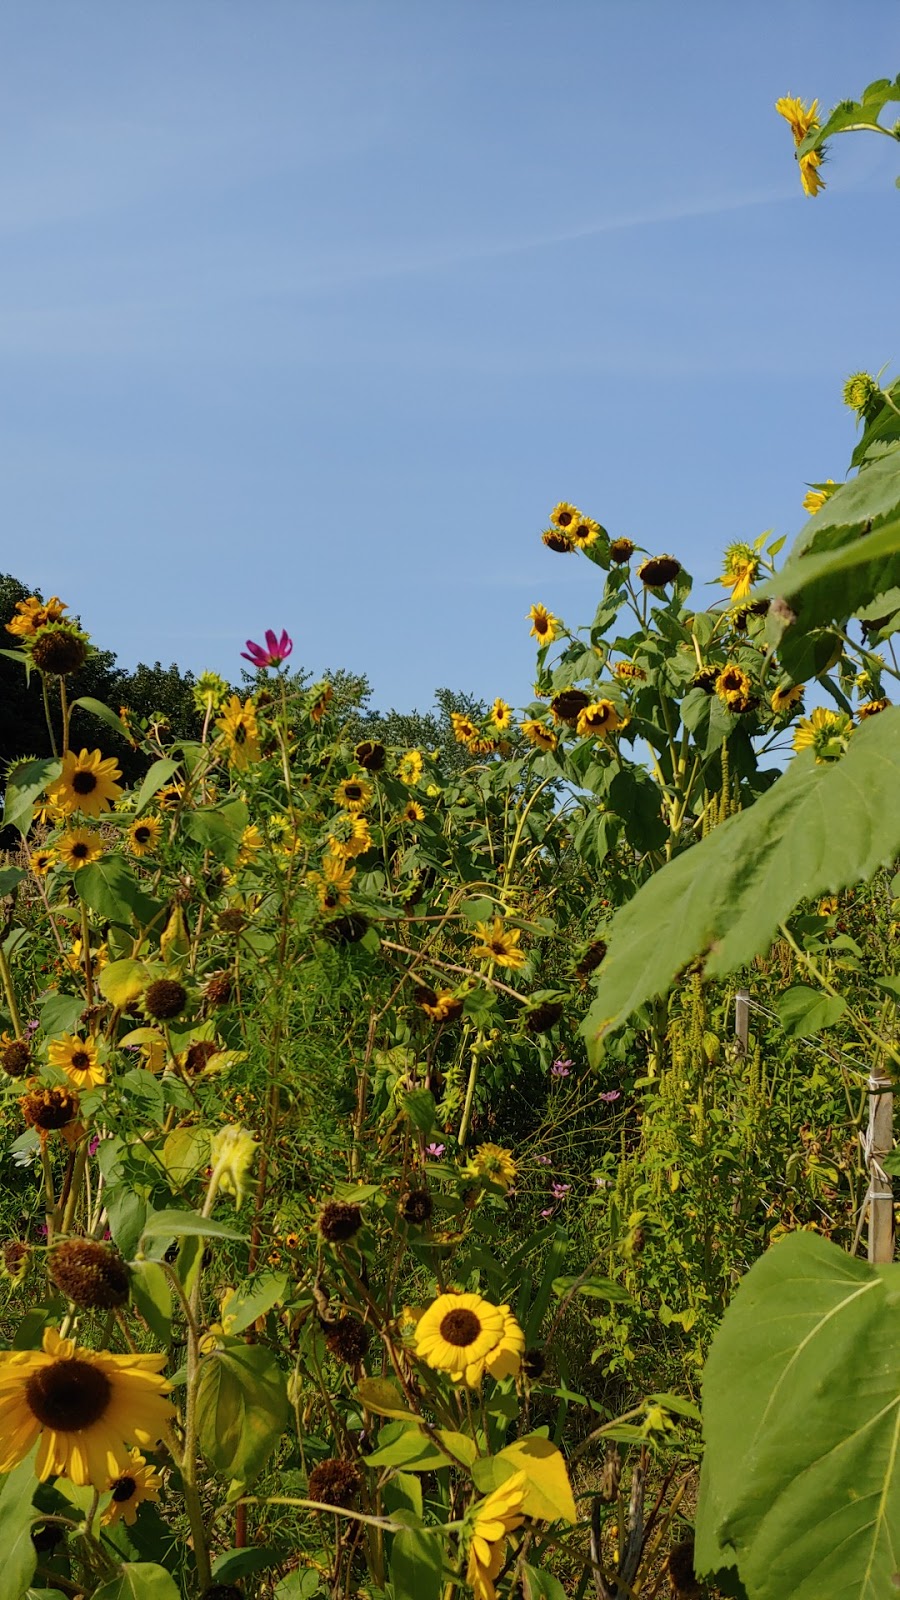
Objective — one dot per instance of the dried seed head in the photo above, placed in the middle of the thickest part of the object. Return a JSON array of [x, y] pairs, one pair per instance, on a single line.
[[533, 1364], [348, 1340], [416, 1206], [348, 929], [541, 1018], [680, 1568], [218, 989], [14, 1256], [336, 1483], [15, 1057], [49, 1109], [338, 1222], [621, 550], [371, 755], [164, 999], [89, 1274], [590, 961]]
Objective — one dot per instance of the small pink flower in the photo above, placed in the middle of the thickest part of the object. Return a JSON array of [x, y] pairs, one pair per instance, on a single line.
[[610, 1095], [559, 1190], [542, 1161], [277, 649], [561, 1068], [435, 1150], [547, 1212]]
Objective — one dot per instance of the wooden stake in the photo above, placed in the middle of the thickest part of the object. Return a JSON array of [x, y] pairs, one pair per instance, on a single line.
[[879, 1143]]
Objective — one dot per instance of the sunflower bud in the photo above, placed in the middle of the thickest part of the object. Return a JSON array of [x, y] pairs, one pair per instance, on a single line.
[[231, 1157]]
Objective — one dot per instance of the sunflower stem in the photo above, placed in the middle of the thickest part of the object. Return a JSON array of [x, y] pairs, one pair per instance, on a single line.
[[10, 993], [47, 713], [64, 708], [86, 954]]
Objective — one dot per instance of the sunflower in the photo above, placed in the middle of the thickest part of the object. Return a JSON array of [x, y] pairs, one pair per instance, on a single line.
[[464, 729], [79, 847], [410, 769], [809, 173], [52, 1111], [657, 571], [371, 755], [566, 705], [84, 1406], [493, 1163], [598, 719], [441, 1005], [412, 812], [490, 1521], [785, 696], [817, 496], [871, 708], [144, 835], [464, 1335], [136, 1483], [825, 732], [350, 836], [733, 687], [332, 884], [565, 515], [353, 794], [544, 626], [252, 842], [324, 693], [41, 862], [584, 532], [556, 540], [209, 692], [500, 715], [629, 672], [78, 1059], [621, 550], [33, 614], [87, 783], [741, 568], [240, 730], [498, 944], [861, 391], [538, 734], [98, 957], [800, 118]]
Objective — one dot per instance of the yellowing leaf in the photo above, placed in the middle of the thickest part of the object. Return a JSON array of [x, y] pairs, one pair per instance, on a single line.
[[384, 1398], [549, 1492], [173, 941], [122, 982]]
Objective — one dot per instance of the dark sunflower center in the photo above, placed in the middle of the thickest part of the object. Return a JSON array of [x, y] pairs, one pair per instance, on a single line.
[[353, 791], [564, 518], [80, 1060], [460, 1327], [240, 734], [142, 835], [123, 1489], [79, 852], [541, 624], [68, 1395], [84, 782]]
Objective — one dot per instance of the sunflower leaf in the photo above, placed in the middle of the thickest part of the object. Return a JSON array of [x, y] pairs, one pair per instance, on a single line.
[[242, 1409], [25, 782], [139, 1580], [156, 779], [17, 1515], [98, 709], [819, 828]]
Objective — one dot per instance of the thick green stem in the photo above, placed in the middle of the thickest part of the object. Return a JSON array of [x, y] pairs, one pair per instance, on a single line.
[[10, 993]]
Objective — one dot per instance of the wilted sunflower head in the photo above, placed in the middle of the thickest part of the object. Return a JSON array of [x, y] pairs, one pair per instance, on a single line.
[[58, 648], [732, 685], [339, 1222], [556, 540], [538, 734], [33, 614], [657, 571], [621, 550], [50, 1110], [89, 1274], [348, 1340], [15, 1056], [164, 999], [371, 755], [871, 708], [335, 1483], [566, 705]]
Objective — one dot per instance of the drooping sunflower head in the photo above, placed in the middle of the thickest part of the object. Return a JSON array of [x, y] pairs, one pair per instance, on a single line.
[[812, 184], [50, 1110], [568, 704], [590, 960], [353, 794], [565, 515], [543, 1016], [598, 720], [538, 734], [91, 1275], [683, 1580], [87, 783], [621, 550], [799, 117], [58, 648], [144, 835], [322, 696], [555, 539], [333, 883], [544, 626], [657, 571], [785, 696], [871, 708], [339, 1222], [629, 672], [490, 1522], [371, 755], [348, 1340], [416, 1207], [441, 1005]]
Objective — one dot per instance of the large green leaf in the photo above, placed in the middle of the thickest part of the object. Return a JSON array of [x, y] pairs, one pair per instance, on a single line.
[[832, 584], [417, 1562], [24, 784], [819, 828], [242, 1409], [800, 1488], [139, 1580], [110, 888], [16, 1517]]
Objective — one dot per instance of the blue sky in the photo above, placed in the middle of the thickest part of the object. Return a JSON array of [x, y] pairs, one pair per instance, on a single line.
[[309, 312]]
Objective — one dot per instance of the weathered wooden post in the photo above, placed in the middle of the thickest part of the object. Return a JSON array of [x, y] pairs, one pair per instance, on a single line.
[[742, 1020], [879, 1143]]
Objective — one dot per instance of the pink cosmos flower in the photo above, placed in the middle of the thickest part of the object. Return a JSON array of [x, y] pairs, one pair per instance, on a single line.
[[610, 1095], [435, 1150], [561, 1068], [560, 1190], [277, 649]]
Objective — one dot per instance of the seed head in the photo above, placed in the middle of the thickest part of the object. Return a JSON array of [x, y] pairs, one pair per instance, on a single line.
[[621, 550], [164, 999], [338, 1222], [335, 1483], [59, 648], [371, 755], [416, 1207], [680, 1568], [89, 1274], [348, 1340], [15, 1057]]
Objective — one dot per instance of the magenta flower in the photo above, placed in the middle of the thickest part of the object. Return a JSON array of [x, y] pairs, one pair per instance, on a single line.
[[547, 1211], [559, 1190], [561, 1068], [435, 1150], [610, 1095], [277, 649], [542, 1161]]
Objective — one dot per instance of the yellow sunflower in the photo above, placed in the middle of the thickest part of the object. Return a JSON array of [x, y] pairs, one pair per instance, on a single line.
[[493, 1163], [786, 696], [79, 1060], [33, 614], [240, 730], [538, 734], [809, 173], [565, 515], [544, 626], [490, 1521], [500, 715], [353, 794], [441, 1005], [84, 1406], [410, 769], [41, 861], [144, 835], [598, 719], [464, 1335], [871, 708], [629, 672], [252, 842], [332, 885], [741, 568], [464, 729], [584, 532], [817, 496], [135, 1483], [733, 686], [87, 783], [412, 812], [800, 118], [824, 732], [79, 847], [350, 836], [75, 958], [498, 944]]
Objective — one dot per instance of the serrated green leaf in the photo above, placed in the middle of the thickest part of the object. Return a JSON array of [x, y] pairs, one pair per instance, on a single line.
[[186, 1225], [242, 1409], [110, 888], [802, 1011], [151, 1293], [122, 981], [98, 709], [801, 1414], [265, 1290], [417, 1564], [818, 829]]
